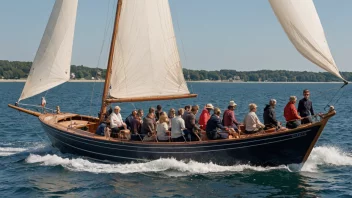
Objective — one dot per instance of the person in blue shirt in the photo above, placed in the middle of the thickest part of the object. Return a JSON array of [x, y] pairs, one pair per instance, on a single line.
[[129, 119], [101, 129], [214, 128]]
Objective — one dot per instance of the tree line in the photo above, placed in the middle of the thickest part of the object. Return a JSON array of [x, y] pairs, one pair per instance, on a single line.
[[20, 69]]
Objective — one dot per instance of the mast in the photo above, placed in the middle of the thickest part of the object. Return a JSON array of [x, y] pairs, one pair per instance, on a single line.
[[109, 68]]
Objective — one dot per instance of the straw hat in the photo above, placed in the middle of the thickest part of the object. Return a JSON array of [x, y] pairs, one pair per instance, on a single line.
[[209, 106], [232, 103]]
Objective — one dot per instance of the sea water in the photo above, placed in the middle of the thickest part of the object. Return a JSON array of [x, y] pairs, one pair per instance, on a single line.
[[31, 167]]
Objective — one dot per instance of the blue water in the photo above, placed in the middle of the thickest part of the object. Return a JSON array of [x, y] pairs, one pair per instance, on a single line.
[[30, 167]]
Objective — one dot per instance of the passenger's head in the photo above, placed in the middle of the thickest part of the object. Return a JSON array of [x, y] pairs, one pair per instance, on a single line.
[[171, 113], [134, 113], [209, 107], [252, 107], [117, 109], [151, 115], [140, 112], [180, 111], [306, 93], [187, 107], [151, 110], [272, 102], [162, 113], [158, 107], [195, 109], [293, 99], [217, 111], [232, 105], [163, 118]]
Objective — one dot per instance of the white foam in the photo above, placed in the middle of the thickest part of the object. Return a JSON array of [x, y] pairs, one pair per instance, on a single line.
[[322, 155], [326, 155], [7, 151], [160, 165]]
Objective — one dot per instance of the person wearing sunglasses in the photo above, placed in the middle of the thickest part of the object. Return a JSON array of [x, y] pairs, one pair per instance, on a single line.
[[305, 108]]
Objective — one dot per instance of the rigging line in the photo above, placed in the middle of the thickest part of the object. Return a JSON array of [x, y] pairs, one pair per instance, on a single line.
[[325, 93], [134, 107], [343, 91], [335, 95], [39, 106], [46, 93], [107, 23]]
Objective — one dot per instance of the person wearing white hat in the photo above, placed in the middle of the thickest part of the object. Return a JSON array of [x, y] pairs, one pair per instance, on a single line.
[[116, 122], [205, 116], [229, 118], [251, 122]]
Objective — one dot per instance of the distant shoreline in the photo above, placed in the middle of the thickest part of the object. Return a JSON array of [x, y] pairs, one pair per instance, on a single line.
[[201, 81]]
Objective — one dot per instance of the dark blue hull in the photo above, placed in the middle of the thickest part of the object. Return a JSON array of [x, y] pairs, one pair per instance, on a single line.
[[270, 150]]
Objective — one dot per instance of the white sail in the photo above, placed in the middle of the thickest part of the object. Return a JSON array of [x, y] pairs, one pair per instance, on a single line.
[[51, 65], [301, 23], [146, 60]]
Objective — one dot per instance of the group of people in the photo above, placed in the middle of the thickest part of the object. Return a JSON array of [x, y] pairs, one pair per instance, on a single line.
[[293, 116], [181, 125]]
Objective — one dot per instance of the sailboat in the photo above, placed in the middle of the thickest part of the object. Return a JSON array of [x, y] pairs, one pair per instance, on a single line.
[[143, 50]]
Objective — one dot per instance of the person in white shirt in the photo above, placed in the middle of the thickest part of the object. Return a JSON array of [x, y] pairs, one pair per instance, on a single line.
[[116, 122], [162, 128], [251, 122], [177, 127]]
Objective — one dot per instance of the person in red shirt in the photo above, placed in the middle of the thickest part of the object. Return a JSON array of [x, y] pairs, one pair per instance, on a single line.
[[291, 115], [229, 118], [205, 116]]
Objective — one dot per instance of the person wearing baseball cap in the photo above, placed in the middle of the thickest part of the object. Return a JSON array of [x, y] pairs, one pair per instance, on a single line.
[[229, 118], [205, 116]]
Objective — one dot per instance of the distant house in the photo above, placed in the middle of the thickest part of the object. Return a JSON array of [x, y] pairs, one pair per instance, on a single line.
[[237, 78]]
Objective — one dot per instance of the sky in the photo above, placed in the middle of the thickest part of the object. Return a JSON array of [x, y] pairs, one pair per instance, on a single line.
[[211, 35]]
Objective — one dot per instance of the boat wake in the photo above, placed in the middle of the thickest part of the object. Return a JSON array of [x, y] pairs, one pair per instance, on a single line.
[[8, 151], [320, 156], [160, 165], [326, 155]]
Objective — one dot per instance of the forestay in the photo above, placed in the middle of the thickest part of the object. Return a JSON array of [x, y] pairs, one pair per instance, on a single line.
[[51, 65], [301, 23], [146, 61]]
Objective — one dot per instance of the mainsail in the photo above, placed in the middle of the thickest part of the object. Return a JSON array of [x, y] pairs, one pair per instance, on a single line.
[[146, 61], [51, 65], [301, 23]]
